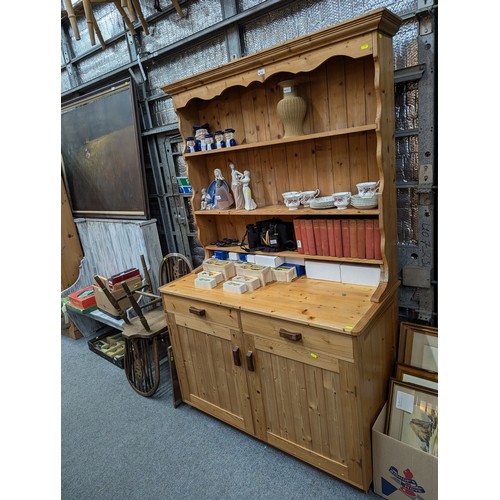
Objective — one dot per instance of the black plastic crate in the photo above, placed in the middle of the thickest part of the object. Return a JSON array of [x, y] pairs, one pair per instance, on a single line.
[[108, 338]]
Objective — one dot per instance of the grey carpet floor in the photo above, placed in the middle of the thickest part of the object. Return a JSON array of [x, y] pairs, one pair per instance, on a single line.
[[116, 444]]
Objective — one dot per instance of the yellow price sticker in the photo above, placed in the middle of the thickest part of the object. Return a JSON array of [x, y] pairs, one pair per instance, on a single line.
[[365, 46], [313, 355]]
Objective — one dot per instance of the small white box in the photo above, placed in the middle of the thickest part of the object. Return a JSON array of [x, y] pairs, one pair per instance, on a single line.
[[294, 260], [251, 258], [234, 256], [212, 274], [269, 260], [235, 286], [205, 282], [225, 267], [252, 282], [285, 273], [360, 275], [262, 272], [320, 270]]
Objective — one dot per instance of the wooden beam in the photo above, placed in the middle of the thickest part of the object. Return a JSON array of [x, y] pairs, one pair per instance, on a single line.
[[87, 7], [119, 7], [72, 18], [138, 10], [175, 3], [98, 32]]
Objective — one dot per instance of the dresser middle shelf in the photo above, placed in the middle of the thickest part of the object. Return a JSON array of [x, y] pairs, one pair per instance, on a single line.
[[281, 210]]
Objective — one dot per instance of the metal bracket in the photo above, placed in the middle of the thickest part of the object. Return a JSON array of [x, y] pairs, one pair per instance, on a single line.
[[425, 178], [419, 277], [425, 24]]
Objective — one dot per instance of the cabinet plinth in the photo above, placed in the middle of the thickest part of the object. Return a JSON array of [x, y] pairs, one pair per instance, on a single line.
[[303, 366]]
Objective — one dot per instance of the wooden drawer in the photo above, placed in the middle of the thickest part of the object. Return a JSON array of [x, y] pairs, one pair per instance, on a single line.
[[304, 338], [202, 316]]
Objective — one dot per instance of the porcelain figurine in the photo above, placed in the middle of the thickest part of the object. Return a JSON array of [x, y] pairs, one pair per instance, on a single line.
[[208, 143], [219, 140], [192, 146], [200, 131], [229, 136], [237, 187], [247, 192], [206, 200], [223, 198]]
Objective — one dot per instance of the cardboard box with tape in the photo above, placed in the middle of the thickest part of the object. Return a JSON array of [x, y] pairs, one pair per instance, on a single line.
[[118, 293]]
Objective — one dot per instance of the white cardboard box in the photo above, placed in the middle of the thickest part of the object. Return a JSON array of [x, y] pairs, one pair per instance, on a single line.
[[269, 260], [398, 467], [328, 271], [360, 275]]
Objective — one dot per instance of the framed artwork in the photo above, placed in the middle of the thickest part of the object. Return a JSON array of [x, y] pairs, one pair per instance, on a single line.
[[418, 346], [102, 159], [417, 376], [412, 416]]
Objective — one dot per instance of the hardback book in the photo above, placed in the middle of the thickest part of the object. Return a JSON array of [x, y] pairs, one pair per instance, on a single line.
[[298, 235], [337, 229], [330, 230], [317, 235], [346, 245], [311, 244], [369, 249], [376, 241], [323, 247], [360, 226], [353, 238], [124, 275]]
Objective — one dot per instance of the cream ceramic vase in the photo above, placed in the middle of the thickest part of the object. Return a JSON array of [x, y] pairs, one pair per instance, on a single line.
[[291, 109]]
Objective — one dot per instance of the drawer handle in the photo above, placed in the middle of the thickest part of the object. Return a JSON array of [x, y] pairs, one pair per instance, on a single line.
[[198, 312], [236, 356], [290, 335], [250, 364]]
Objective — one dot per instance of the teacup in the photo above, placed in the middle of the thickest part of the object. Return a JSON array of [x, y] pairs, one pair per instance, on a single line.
[[341, 200], [368, 189], [307, 196], [292, 199]]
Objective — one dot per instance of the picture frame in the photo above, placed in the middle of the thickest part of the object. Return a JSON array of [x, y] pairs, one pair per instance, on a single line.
[[412, 415], [418, 346], [102, 159], [417, 376]]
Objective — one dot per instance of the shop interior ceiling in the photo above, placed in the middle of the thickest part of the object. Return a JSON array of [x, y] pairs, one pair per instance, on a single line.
[[170, 40]]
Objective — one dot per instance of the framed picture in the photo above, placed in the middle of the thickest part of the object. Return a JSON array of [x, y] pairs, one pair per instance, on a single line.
[[418, 346], [102, 158], [417, 376], [412, 416]]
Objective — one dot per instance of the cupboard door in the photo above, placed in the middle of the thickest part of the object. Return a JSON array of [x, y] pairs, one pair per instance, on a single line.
[[302, 411], [211, 366]]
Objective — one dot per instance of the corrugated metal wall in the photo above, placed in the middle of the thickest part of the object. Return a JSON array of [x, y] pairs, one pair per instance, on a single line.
[[213, 32]]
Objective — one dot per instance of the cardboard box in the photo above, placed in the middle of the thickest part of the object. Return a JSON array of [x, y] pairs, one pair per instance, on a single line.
[[328, 271], [83, 299], [401, 471], [117, 291], [269, 260], [360, 275]]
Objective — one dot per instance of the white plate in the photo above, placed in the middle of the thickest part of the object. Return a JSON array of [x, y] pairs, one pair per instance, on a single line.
[[323, 202]]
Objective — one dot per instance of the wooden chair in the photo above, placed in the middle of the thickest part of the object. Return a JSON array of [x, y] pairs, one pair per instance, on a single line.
[[144, 334]]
